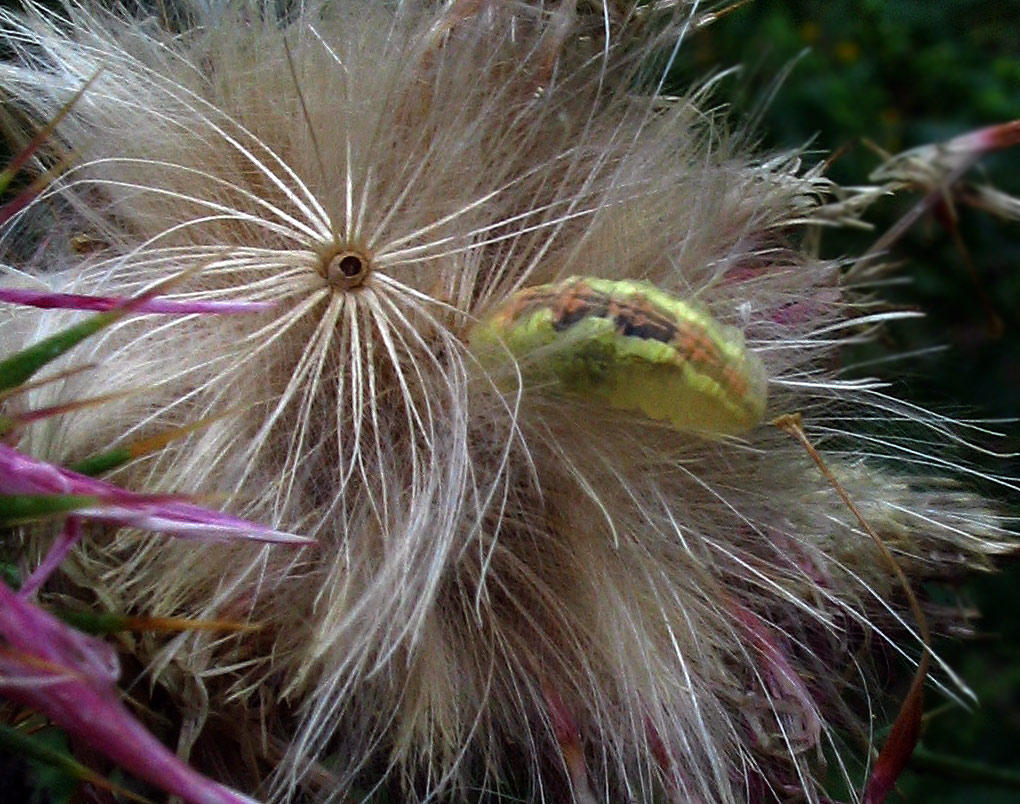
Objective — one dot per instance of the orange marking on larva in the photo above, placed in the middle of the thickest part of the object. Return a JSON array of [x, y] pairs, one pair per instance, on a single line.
[[576, 303], [695, 345], [525, 301], [735, 382]]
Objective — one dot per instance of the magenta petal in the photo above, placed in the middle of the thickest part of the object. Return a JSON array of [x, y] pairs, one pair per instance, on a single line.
[[188, 521], [783, 681], [22, 474], [29, 630], [69, 677], [76, 301], [68, 538], [990, 138]]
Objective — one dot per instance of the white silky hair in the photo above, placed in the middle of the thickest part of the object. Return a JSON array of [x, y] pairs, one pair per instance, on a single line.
[[490, 563]]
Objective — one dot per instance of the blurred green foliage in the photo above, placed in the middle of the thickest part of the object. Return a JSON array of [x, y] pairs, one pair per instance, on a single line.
[[903, 73]]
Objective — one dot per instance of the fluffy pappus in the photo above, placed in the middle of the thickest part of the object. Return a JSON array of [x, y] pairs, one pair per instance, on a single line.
[[515, 592]]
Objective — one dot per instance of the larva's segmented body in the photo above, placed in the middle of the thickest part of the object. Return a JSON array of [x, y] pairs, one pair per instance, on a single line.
[[632, 345]]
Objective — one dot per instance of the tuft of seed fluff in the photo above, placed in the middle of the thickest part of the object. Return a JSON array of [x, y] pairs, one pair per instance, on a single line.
[[515, 592]]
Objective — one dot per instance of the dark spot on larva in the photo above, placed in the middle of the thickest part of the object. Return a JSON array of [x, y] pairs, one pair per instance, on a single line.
[[577, 303], [568, 318], [633, 319], [640, 326]]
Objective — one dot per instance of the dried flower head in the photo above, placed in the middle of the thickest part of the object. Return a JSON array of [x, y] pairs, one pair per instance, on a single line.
[[517, 590]]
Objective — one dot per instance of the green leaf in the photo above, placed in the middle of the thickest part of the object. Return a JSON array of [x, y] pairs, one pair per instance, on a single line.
[[107, 461], [95, 623], [103, 462], [18, 508], [22, 365], [36, 749], [7, 174]]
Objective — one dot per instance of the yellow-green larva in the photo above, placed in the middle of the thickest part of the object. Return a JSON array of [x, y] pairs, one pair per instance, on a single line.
[[631, 345]]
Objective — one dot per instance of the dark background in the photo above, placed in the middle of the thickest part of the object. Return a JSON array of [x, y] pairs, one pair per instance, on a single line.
[[904, 73]]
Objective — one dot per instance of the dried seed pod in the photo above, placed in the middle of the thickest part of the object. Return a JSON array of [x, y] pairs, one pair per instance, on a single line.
[[529, 595]]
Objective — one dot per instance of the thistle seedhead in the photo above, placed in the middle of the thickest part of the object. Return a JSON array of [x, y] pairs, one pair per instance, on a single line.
[[516, 591]]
